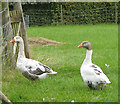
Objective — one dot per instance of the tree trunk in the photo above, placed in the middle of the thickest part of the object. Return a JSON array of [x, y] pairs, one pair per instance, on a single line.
[[17, 6]]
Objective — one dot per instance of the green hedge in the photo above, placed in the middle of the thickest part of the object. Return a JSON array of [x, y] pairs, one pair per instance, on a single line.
[[72, 13]]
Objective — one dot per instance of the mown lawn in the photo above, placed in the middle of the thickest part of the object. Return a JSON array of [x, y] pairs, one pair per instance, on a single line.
[[66, 59]]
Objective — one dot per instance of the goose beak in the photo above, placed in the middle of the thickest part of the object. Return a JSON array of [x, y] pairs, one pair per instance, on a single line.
[[13, 40], [81, 45]]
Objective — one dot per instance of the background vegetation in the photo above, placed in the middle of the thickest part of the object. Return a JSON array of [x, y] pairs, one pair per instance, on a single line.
[[56, 13]]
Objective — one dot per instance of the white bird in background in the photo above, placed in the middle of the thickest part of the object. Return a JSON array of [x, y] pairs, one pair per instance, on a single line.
[[92, 75], [31, 69]]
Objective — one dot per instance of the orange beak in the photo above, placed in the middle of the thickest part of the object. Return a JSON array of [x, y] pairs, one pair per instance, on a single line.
[[81, 45], [13, 40]]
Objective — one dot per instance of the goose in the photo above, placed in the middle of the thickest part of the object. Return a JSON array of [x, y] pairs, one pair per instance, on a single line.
[[92, 74], [30, 68]]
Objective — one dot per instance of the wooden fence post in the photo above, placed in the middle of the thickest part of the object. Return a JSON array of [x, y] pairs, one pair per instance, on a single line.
[[7, 60], [61, 15], [17, 6], [4, 99], [5, 14], [116, 13]]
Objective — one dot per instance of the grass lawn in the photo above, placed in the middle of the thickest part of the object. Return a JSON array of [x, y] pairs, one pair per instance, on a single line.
[[66, 59]]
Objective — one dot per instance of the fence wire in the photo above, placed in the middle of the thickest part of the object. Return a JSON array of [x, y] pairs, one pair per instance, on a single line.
[[7, 58], [3, 10], [5, 45]]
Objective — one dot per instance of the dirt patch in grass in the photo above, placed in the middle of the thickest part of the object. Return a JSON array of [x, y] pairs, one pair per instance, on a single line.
[[35, 41]]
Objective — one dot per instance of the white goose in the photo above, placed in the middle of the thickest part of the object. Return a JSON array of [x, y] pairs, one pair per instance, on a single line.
[[92, 75], [31, 69]]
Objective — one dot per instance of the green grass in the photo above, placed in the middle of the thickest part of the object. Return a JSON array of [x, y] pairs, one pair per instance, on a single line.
[[66, 59]]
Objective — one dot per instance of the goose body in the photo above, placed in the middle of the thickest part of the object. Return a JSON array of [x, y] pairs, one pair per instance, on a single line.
[[30, 68], [92, 74]]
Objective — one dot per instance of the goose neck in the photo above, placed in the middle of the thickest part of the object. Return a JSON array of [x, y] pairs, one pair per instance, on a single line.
[[88, 58], [21, 53]]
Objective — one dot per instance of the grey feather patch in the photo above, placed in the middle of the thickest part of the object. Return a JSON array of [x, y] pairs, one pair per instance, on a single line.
[[47, 69], [93, 66], [28, 67], [89, 83], [30, 77], [36, 72], [97, 71]]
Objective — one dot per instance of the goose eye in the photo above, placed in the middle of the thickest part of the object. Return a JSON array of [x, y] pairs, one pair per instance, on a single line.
[[17, 38], [85, 43]]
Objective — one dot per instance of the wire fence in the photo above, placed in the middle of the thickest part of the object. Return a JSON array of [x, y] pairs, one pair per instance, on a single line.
[[86, 16], [5, 45], [7, 58]]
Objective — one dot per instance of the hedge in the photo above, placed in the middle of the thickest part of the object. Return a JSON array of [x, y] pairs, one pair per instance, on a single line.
[[55, 13]]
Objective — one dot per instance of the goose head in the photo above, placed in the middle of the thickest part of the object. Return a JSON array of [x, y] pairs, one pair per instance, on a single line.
[[16, 39], [86, 44]]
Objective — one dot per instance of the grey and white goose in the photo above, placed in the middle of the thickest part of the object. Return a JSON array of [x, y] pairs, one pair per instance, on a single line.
[[92, 75], [31, 69]]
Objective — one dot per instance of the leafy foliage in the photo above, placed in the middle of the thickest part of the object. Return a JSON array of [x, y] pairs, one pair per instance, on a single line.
[[70, 13]]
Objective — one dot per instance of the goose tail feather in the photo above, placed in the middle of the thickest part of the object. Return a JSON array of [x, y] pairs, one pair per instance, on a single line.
[[53, 72]]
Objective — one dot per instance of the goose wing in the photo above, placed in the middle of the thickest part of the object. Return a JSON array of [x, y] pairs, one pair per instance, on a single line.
[[37, 68], [99, 74]]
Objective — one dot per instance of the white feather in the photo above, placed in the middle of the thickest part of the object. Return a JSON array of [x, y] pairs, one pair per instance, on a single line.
[[14, 48]]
